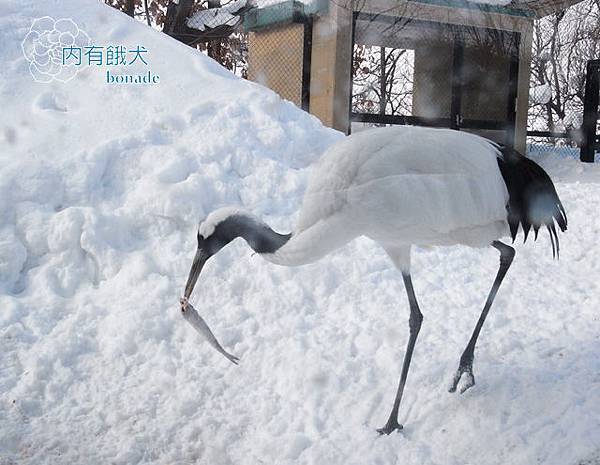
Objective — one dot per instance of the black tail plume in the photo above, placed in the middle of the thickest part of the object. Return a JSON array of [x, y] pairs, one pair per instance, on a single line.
[[533, 201]]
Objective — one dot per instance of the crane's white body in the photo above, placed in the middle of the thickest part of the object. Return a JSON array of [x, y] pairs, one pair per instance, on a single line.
[[400, 186]]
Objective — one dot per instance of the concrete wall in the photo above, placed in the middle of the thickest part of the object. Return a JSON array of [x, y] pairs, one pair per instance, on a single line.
[[275, 60]]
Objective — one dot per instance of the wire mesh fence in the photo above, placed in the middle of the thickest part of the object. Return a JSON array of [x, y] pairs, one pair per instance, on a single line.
[[270, 45], [535, 146], [279, 58], [267, 41], [552, 145], [563, 44]]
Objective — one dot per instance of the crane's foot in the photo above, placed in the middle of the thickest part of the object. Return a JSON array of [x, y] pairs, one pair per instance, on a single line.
[[469, 380], [391, 426]]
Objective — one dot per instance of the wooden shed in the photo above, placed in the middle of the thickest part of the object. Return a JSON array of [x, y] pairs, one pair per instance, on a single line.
[[468, 63]]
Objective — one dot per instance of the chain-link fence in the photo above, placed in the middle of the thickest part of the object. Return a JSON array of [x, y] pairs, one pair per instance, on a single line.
[[562, 46], [279, 49], [558, 145], [267, 41]]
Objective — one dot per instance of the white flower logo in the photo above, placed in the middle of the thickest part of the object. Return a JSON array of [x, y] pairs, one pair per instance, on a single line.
[[47, 46]]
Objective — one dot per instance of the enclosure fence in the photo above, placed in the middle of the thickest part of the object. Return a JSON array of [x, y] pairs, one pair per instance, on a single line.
[[582, 141], [279, 46], [420, 72]]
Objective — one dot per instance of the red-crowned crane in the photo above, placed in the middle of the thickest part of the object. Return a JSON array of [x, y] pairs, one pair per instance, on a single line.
[[402, 186]]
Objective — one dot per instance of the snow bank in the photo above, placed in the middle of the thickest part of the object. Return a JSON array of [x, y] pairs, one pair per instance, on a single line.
[[214, 17], [101, 188], [540, 95]]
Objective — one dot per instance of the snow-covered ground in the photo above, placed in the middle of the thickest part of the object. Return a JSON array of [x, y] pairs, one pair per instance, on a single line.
[[101, 187]]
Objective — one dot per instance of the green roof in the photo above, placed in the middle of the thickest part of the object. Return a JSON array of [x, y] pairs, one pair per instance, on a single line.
[[293, 11], [487, 7], [277, 14]]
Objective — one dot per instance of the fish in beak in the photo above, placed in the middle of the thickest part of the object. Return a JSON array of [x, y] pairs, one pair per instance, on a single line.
[[189, 312], [193, 317]]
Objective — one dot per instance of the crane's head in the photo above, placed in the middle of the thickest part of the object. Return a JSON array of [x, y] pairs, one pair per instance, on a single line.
[[216, 231], [224, 225]]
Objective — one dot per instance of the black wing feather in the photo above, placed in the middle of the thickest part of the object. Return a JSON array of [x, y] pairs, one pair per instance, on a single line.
[[533, 201]]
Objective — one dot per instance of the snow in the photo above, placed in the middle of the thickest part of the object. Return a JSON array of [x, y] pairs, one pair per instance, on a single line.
[[101, 189], [540, 95], [214, 17]]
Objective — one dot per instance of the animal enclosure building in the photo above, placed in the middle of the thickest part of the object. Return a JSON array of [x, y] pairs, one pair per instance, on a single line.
[[443, 63]]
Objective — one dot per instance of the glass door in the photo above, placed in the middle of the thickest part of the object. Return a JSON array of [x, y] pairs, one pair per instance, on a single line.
[[407, 71]]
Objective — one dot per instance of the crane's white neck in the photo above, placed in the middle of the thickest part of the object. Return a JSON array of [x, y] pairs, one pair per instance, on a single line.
[[313, 243]]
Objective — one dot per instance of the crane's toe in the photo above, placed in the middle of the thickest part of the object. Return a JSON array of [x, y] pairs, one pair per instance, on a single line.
[[391, 426], [468, 380]]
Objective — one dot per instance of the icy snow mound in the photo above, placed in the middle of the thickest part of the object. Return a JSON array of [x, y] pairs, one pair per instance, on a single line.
[[105, 169], [101, 188]]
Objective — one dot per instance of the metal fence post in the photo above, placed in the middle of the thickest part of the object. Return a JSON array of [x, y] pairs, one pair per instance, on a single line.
[[306, 62], [590, 111]]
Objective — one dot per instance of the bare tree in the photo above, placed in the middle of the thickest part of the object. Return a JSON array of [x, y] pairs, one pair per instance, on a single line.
[[562, 45], [382, 80], [151, 11], [147, 12], [226, 44], [129, 8]]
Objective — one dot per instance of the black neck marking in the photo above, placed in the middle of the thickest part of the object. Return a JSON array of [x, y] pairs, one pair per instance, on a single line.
[[257, 234]]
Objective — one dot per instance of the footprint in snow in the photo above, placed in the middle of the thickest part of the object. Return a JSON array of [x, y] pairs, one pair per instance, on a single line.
[[10, 135], [50, 101], [202, 111]]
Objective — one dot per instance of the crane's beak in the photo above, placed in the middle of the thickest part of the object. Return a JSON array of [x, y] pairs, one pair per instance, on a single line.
[[199, 261]]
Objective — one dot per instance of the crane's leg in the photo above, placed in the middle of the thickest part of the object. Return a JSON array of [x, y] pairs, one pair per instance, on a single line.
[[414, 323], [465, 366]]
